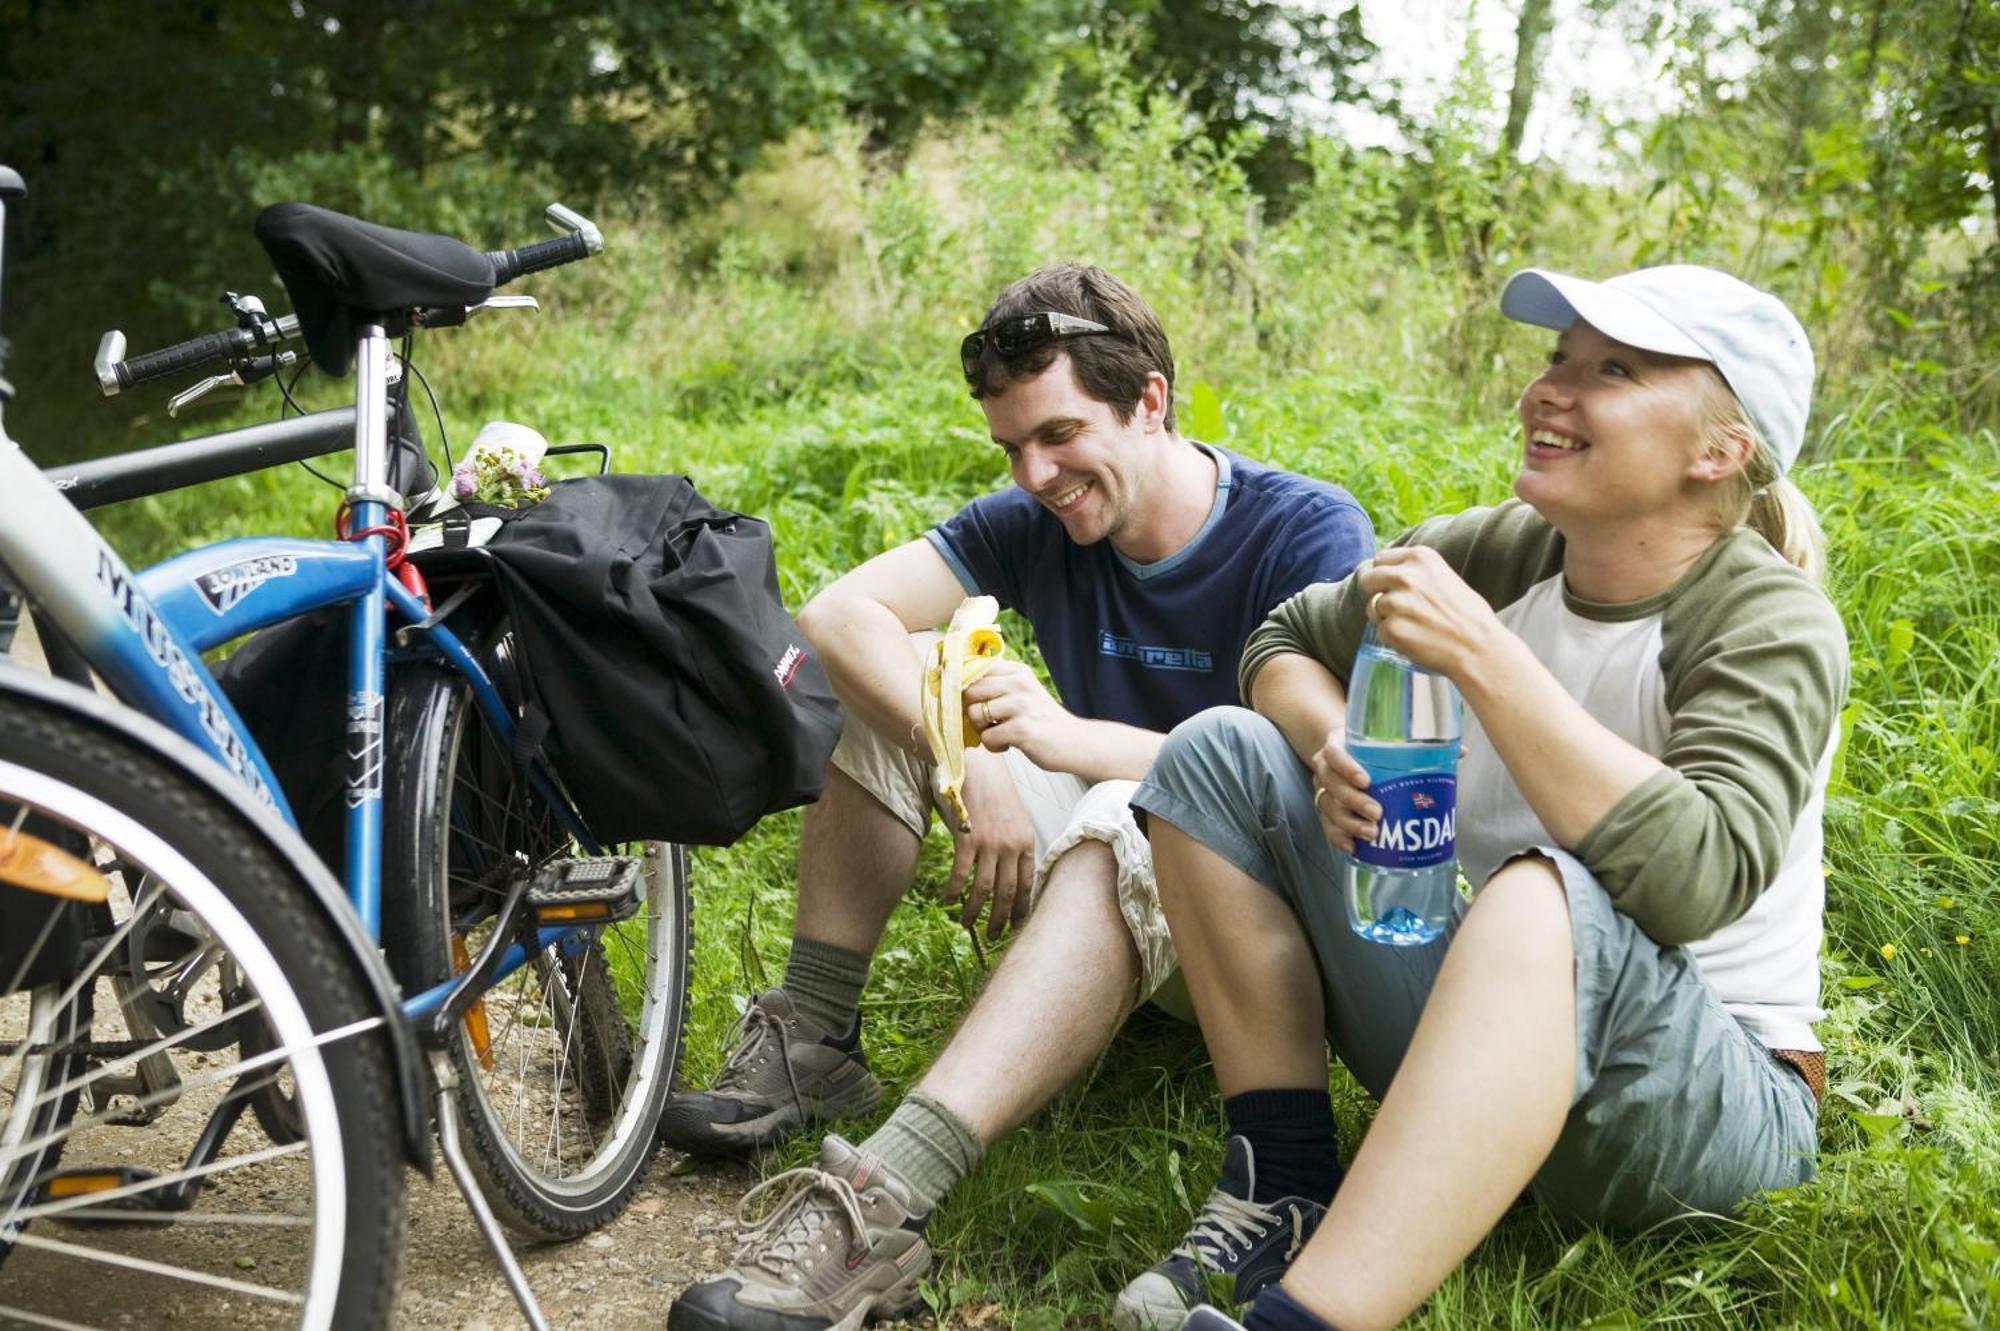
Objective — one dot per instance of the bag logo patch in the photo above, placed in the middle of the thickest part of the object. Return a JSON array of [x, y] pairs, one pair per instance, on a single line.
[[788, 666], [224, 587]]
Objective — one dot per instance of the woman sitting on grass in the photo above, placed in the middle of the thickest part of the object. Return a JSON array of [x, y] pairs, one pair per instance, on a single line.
[[1622, 1020]]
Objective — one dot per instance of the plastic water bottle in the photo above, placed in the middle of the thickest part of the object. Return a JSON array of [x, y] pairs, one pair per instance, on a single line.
[[1403, 727]]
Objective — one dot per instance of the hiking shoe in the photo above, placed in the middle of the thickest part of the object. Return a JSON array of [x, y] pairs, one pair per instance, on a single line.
[[1245, 1243], [840, 1247], [782, 1072]]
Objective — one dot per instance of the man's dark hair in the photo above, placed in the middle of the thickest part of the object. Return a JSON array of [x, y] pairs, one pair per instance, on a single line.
[[1111, 368]]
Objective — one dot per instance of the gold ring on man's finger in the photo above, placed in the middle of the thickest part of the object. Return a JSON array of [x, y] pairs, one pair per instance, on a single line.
[[1375, 606]]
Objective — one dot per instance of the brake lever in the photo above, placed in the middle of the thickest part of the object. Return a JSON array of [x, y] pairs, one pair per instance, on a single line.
[[504, 303], [190, 395], [253, 370], [451, 316]]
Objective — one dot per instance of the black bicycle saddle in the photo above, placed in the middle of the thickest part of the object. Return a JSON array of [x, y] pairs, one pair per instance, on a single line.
[[341, 271]]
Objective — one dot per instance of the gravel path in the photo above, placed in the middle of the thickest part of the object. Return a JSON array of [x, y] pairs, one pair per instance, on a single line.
[[682, 1225]]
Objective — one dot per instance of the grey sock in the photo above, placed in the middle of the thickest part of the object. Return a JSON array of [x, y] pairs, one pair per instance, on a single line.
[[825, 984], [927, 1146]]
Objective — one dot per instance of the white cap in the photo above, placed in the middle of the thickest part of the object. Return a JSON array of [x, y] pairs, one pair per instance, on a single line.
[[1682, 309]]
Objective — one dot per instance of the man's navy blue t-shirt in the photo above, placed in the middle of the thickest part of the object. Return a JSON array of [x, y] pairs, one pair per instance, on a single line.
[[1152, 644]]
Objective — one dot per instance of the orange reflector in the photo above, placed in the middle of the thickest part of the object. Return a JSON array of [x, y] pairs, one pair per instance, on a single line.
[[578, 910], [82, 1185], [475, 1016], [30, 862]]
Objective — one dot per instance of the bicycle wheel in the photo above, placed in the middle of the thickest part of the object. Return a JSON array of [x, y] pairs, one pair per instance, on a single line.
[[41, 1100], [564, 1067], [136, 1183]]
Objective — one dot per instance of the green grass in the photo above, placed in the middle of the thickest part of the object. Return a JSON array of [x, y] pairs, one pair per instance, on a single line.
[[794, 353]]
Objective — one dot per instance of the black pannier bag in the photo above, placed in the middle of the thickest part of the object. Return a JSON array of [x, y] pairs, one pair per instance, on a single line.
[[674, 696], [682, 702]]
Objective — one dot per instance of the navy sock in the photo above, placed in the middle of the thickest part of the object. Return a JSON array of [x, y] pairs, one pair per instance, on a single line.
[[1276, 1310], [1292, 1141]]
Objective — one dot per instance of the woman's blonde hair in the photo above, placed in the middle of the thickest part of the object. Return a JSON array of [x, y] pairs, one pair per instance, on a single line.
[[1759, 495]]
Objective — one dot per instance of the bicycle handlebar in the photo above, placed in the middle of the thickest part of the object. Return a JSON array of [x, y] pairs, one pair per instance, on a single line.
[[115, 374], [256, 332], [580, 240], [510, 264]]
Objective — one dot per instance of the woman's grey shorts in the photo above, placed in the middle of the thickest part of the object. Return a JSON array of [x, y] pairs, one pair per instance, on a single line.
[[1677, 1107]]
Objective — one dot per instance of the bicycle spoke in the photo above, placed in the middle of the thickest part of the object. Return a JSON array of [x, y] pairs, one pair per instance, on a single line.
[[41, 940], [87, 975], [138, 1056], [125, 1261], [210, 1078], [22, 1315], [247, 1220], [223, 1166]]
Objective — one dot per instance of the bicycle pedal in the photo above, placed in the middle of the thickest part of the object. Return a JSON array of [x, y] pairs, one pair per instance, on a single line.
[[72, 1184], [586, 891]]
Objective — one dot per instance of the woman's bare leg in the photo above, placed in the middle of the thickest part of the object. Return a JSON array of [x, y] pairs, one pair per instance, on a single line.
[[1472, 1113]]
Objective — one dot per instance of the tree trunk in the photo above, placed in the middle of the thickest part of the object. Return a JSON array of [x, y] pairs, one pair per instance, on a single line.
[[1530, 32]]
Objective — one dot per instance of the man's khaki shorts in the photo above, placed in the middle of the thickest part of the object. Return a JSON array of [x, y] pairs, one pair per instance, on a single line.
[[1065, 811]]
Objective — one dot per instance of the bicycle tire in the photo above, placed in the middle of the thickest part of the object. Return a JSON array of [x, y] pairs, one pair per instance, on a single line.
[[589, 1044], [211, 924]]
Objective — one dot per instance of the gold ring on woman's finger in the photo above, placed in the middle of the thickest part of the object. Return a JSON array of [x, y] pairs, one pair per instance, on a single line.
[[1317, 792], [985, 717], [1375, 606]]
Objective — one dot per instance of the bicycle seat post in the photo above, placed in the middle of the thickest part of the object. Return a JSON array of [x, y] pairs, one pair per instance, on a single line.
[[371, 425], [369, 500]]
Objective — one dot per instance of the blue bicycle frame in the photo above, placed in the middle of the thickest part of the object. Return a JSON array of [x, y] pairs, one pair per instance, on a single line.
[[144, 633]]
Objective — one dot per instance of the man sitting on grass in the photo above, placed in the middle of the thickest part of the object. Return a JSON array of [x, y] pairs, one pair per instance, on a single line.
[[1143, 561]]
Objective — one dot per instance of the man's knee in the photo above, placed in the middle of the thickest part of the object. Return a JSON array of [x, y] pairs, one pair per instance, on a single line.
[[1080, 883], [878, 768]]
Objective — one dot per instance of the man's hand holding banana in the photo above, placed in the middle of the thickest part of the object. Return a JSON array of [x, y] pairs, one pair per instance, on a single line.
[[1011, 709], [994, 841]]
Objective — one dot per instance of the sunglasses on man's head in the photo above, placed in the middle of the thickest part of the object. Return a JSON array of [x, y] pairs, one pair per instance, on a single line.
[[1021, 333]]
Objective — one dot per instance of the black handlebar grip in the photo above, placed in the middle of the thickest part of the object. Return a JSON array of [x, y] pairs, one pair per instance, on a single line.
[[510, 264], [191, 354]]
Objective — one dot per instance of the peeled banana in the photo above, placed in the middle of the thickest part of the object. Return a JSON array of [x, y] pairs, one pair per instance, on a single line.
[[970, 645]]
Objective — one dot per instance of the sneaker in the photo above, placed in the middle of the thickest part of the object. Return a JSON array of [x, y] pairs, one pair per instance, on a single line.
[[782, 1073], [1206, 1318], [1241, 1241], [840, 1248]]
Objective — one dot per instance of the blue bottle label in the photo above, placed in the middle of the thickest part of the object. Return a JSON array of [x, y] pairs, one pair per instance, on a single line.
[[1418, 827]]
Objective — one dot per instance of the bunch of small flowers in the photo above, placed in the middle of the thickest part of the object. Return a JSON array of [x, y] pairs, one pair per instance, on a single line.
[[499, 475]]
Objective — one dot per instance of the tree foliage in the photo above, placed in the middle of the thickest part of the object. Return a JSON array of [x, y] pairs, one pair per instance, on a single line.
[[1862, 141]]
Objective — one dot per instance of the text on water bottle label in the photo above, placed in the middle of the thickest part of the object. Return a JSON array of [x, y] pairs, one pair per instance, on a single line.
[[1419, 821]]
